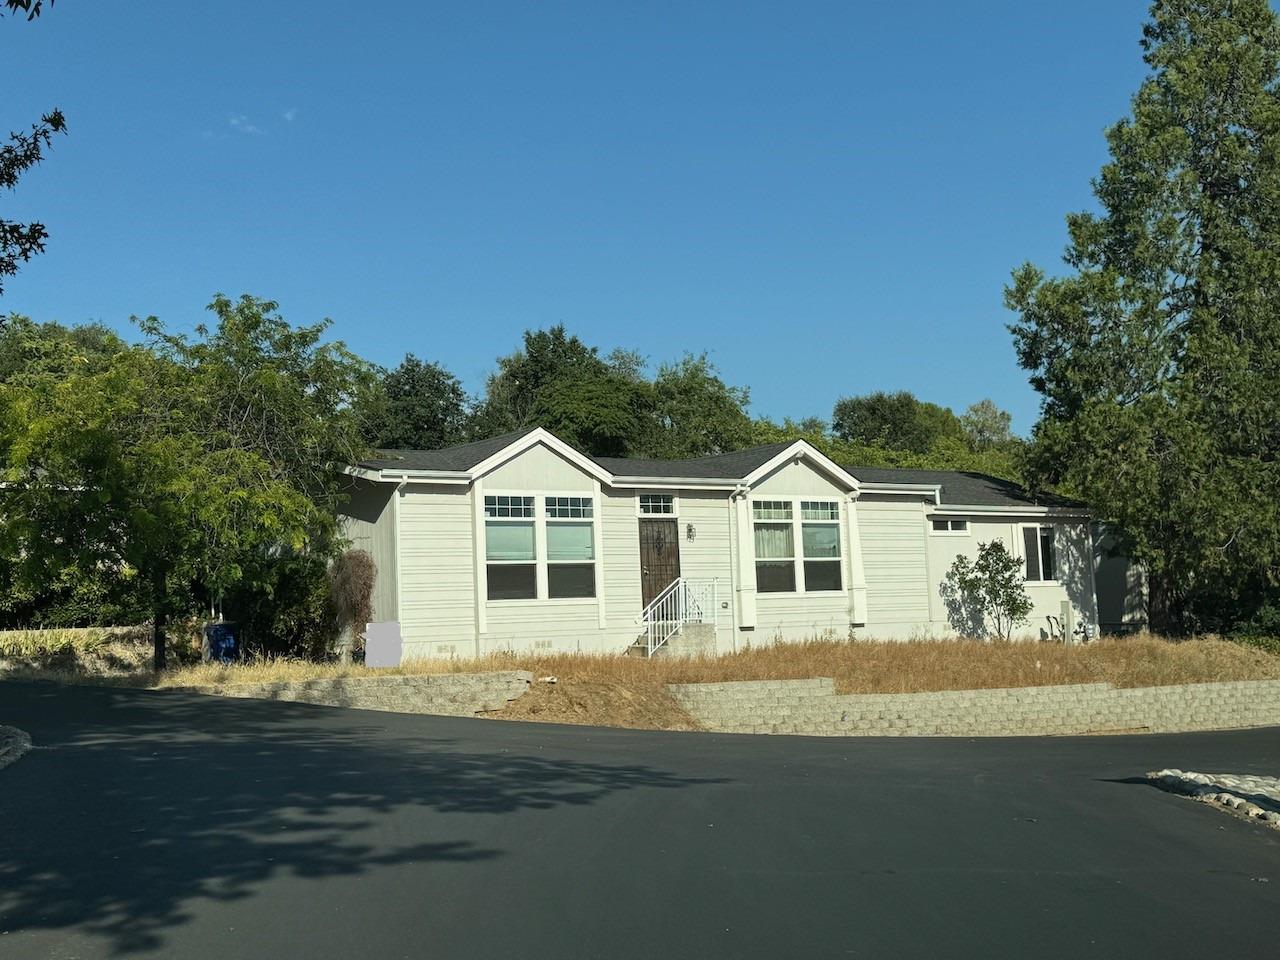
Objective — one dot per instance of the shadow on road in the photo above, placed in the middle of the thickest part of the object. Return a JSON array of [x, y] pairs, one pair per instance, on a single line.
[[137, 803]]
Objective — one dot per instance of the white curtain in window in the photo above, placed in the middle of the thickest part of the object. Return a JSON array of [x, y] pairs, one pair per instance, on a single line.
[[774, 541]]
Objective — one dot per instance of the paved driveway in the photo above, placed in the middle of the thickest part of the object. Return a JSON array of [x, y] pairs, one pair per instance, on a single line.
[[170, 825]]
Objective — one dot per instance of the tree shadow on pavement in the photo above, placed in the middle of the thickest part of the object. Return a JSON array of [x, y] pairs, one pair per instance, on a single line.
[[142, 802]]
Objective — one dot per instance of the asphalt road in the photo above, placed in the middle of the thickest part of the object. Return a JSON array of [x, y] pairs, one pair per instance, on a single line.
[[169, 825]]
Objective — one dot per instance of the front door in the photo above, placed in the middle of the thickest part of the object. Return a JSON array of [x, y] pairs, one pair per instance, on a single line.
[[659, 557]]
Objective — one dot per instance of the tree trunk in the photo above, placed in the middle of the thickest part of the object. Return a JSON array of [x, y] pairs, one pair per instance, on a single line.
[[1164, 609], [159, 620]]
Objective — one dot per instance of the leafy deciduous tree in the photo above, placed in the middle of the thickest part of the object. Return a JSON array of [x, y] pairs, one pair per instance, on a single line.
[[987, 595], [898, 421], [417, 406]]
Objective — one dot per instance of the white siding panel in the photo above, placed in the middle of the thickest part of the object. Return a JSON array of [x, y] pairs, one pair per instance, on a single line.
[[368, 522], [536, 469], [895, 558], [801, 616], [438, 606], [709, 555], [798, 479], [621, 538]]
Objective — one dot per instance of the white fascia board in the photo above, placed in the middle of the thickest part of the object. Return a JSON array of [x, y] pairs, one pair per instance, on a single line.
[[955, 509], [411, 476], [930, 490], [532, 439], [803, 450], [408, 476], [672, 483]]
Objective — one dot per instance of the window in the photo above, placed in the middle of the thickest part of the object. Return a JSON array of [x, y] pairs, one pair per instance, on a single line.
[[950, 526], [820, 537], [657, 505], [775, 546], [513, 531], [571, 548], [508, 507], [510, 556], [1038, 549]]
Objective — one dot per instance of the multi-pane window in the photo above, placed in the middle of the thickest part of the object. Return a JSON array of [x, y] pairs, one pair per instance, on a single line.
[[782, 526], [950, 526], [1038, 549], [775, 546], [519, 543], [820, 536], [571, 552], [657, 505], [511, 557]]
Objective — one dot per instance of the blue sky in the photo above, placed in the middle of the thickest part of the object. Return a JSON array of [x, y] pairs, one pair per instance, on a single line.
[[826, 197]]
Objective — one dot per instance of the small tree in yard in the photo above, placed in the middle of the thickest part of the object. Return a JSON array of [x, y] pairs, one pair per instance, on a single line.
[[351, 581], [987, 595]]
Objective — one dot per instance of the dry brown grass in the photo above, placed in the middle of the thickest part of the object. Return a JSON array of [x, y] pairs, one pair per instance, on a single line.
[[858, 666], [623, 691]]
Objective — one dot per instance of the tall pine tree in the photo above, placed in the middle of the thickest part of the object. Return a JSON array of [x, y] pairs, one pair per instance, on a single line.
[[1158, 357]]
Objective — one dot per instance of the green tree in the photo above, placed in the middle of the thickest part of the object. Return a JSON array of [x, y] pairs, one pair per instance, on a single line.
[[986, 596], [22, 241], [558, 382], [1158, 355], [194, 463], [695, 413], [986, 425], [33, 350], [417, 406], [898, 421]]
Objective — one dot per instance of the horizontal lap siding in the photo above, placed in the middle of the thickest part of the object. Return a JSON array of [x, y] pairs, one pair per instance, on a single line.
[[801, 616], [438, 605], [368, 522], [542, 626], [709, 555], [621, 538], [895, 562]]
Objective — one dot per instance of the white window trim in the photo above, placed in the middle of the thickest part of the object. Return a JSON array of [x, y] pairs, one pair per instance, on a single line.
[[675, 506], [1021, 548], [540, 520], [797, 542], [966, 532]]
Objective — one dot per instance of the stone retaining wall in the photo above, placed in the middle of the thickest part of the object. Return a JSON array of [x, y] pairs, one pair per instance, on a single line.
[[448, 694], [812, 708]]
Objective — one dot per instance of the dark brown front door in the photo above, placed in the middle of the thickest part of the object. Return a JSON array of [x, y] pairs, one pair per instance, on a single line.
[[659, 557]]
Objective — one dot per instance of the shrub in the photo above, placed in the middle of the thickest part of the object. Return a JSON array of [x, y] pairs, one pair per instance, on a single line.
[[351, 580], [987, 595]]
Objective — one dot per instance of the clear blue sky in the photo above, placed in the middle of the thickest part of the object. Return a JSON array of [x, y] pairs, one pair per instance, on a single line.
[[826, 197]]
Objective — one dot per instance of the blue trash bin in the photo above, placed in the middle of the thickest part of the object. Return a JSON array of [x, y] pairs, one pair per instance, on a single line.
[[221, 643]]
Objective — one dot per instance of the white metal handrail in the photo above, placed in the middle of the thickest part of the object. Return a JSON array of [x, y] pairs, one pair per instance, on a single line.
[[684, 601]]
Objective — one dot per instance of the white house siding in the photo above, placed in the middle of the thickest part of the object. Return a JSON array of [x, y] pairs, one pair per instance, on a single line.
[[368, 522], [1074, 557], [621, 538], [437, 608], [709, 555], [797, 480], [895, 558], [538, 469]]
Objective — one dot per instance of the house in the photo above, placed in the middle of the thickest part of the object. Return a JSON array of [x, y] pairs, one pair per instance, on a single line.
[[522, 542]]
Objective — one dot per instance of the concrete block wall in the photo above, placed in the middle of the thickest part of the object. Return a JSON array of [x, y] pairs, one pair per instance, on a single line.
[[812, 708], [448, 694]]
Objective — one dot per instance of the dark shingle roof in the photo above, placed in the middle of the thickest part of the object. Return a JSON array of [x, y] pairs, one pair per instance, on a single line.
[[962, 488], [462, 457], [723, 466], [958, 488]]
